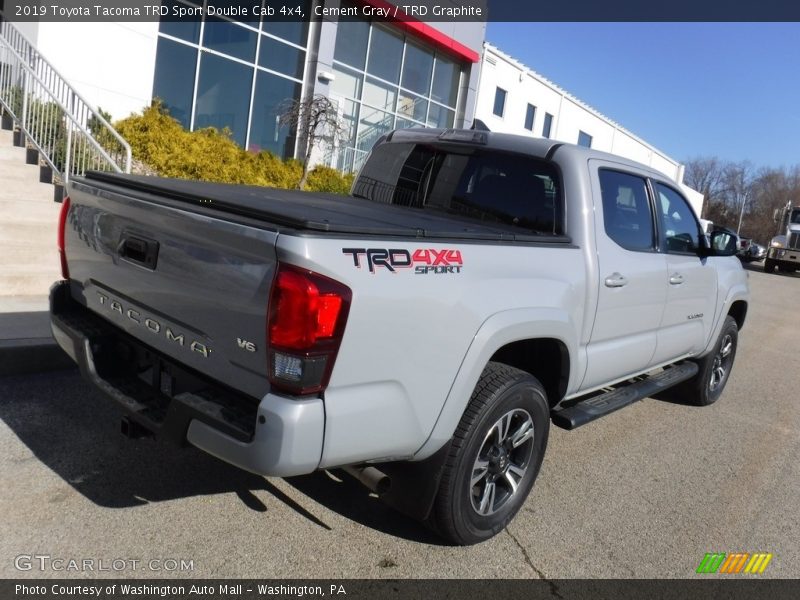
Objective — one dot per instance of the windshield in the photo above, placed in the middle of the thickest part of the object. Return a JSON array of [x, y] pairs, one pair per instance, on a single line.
[[510, 191], [795, 216]]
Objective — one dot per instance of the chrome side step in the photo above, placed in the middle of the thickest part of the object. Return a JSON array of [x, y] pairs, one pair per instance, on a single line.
[[584, 411]]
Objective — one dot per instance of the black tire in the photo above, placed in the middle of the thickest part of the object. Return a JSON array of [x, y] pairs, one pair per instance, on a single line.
[[769, 266], [505, 428], [706, 387]]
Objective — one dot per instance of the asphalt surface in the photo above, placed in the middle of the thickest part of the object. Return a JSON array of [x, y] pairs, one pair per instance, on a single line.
[[645, 492]]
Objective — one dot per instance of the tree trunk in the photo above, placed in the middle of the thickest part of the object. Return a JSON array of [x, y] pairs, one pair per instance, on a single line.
[[301, 185]]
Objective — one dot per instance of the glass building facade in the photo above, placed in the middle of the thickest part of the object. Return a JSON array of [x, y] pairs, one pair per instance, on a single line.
[[222, 72], [386, 80]]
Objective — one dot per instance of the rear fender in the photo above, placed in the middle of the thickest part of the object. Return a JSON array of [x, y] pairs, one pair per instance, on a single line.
[[736, 292], [498, 330]]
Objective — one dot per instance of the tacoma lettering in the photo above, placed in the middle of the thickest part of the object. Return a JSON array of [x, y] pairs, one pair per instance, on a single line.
[[153, 325]]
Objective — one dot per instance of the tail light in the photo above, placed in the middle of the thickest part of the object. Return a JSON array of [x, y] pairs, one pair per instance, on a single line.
[[62, 225], [307, 315]]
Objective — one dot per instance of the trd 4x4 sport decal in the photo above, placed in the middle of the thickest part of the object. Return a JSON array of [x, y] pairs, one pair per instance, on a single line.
[[423, 260]]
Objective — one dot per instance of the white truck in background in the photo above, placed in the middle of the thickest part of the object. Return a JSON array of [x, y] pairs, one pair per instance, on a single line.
[[784, 248]]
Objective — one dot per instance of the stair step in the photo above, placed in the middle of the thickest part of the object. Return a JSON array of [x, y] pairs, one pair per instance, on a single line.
[[29, 210], [37, 235], [584, 411], [28, 284], [21, 255], [29, 261]]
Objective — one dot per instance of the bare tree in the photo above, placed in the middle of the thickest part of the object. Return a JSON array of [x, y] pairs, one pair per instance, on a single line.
[[738, 178], [738, 197], [316, 123], [705, 174], [772, 190], [724, 185]]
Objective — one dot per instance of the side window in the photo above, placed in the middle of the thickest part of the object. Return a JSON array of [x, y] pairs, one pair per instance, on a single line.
[[626, 210], [680, 226]]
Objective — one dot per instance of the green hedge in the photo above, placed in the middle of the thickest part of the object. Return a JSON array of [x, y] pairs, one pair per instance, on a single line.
[[160, 142]]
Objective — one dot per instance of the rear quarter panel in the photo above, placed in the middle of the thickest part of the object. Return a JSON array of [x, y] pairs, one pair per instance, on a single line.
[[407, 334]]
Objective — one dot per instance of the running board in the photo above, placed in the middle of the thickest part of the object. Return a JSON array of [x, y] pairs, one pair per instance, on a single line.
[[594, 407]]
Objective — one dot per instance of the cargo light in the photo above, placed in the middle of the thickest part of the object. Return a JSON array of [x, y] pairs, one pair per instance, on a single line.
[[307, 315], [62, 226]]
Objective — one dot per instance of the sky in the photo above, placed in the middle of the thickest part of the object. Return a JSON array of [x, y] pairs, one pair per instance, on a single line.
[[730, 90]]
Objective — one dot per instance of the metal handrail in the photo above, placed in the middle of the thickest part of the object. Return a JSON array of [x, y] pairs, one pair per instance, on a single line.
[[70, 135]]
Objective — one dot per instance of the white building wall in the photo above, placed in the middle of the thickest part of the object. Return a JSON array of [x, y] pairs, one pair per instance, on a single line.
[[570, 116], [110, 64]]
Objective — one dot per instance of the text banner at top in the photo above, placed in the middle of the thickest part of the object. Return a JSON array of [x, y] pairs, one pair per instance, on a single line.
[[400, 10]]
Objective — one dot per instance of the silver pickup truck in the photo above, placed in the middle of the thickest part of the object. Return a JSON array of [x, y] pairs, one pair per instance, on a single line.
[[421, 333]]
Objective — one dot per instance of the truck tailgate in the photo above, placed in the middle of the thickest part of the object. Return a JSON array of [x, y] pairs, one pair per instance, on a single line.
[[192, 286]]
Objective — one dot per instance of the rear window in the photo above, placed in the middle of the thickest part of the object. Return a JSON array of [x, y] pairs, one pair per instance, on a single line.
[[511, 191]]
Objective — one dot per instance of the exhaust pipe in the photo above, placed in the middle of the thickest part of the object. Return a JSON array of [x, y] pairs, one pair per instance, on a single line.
[[132, 430], [375, 480]]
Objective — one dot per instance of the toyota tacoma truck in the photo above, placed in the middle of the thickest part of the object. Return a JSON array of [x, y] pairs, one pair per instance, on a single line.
[[421, 333]]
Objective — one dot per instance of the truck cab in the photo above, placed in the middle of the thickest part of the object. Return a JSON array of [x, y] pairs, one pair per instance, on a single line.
[[784, 249]]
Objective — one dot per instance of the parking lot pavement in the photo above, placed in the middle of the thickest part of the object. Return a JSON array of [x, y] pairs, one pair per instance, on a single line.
[[645, 492]]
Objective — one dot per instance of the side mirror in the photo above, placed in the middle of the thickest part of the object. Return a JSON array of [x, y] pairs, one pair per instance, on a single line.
[[721, 243]]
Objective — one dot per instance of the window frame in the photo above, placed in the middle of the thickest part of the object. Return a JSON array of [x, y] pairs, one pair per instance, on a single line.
[[662, 237], [547, 123], [655, 242], [253, 65], [530, 111], [502, 114]]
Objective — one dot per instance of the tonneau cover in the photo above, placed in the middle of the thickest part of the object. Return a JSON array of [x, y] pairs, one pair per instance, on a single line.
[[332, 213]]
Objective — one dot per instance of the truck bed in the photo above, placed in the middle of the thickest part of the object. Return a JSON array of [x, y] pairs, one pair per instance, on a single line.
[[305, 211]]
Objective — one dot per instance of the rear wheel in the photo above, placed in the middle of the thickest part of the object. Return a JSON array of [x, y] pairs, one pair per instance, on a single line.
[[495, 456], [715, 368]]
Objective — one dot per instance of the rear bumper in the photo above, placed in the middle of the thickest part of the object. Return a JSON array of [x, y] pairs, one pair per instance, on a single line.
[[271, 436]]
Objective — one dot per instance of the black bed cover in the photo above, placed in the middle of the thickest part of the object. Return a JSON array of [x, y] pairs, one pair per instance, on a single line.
[[332, 213]]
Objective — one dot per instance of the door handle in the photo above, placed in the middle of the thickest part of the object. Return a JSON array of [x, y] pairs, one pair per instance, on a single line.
[[616, 280], [141, 251], [676, 279]]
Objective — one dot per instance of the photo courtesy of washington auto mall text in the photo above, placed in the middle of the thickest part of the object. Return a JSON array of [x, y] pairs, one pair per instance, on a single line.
[[156, 589]]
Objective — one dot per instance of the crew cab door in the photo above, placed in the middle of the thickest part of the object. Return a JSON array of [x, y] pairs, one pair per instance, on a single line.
[[692, 281], [632, 276]]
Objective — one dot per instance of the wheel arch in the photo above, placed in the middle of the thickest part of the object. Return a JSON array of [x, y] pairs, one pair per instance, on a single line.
[[517, 338], [735, 306], [545, 358], [738, 311]]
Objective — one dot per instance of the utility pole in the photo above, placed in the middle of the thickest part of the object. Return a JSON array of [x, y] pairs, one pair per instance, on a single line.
[[741, 212]]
